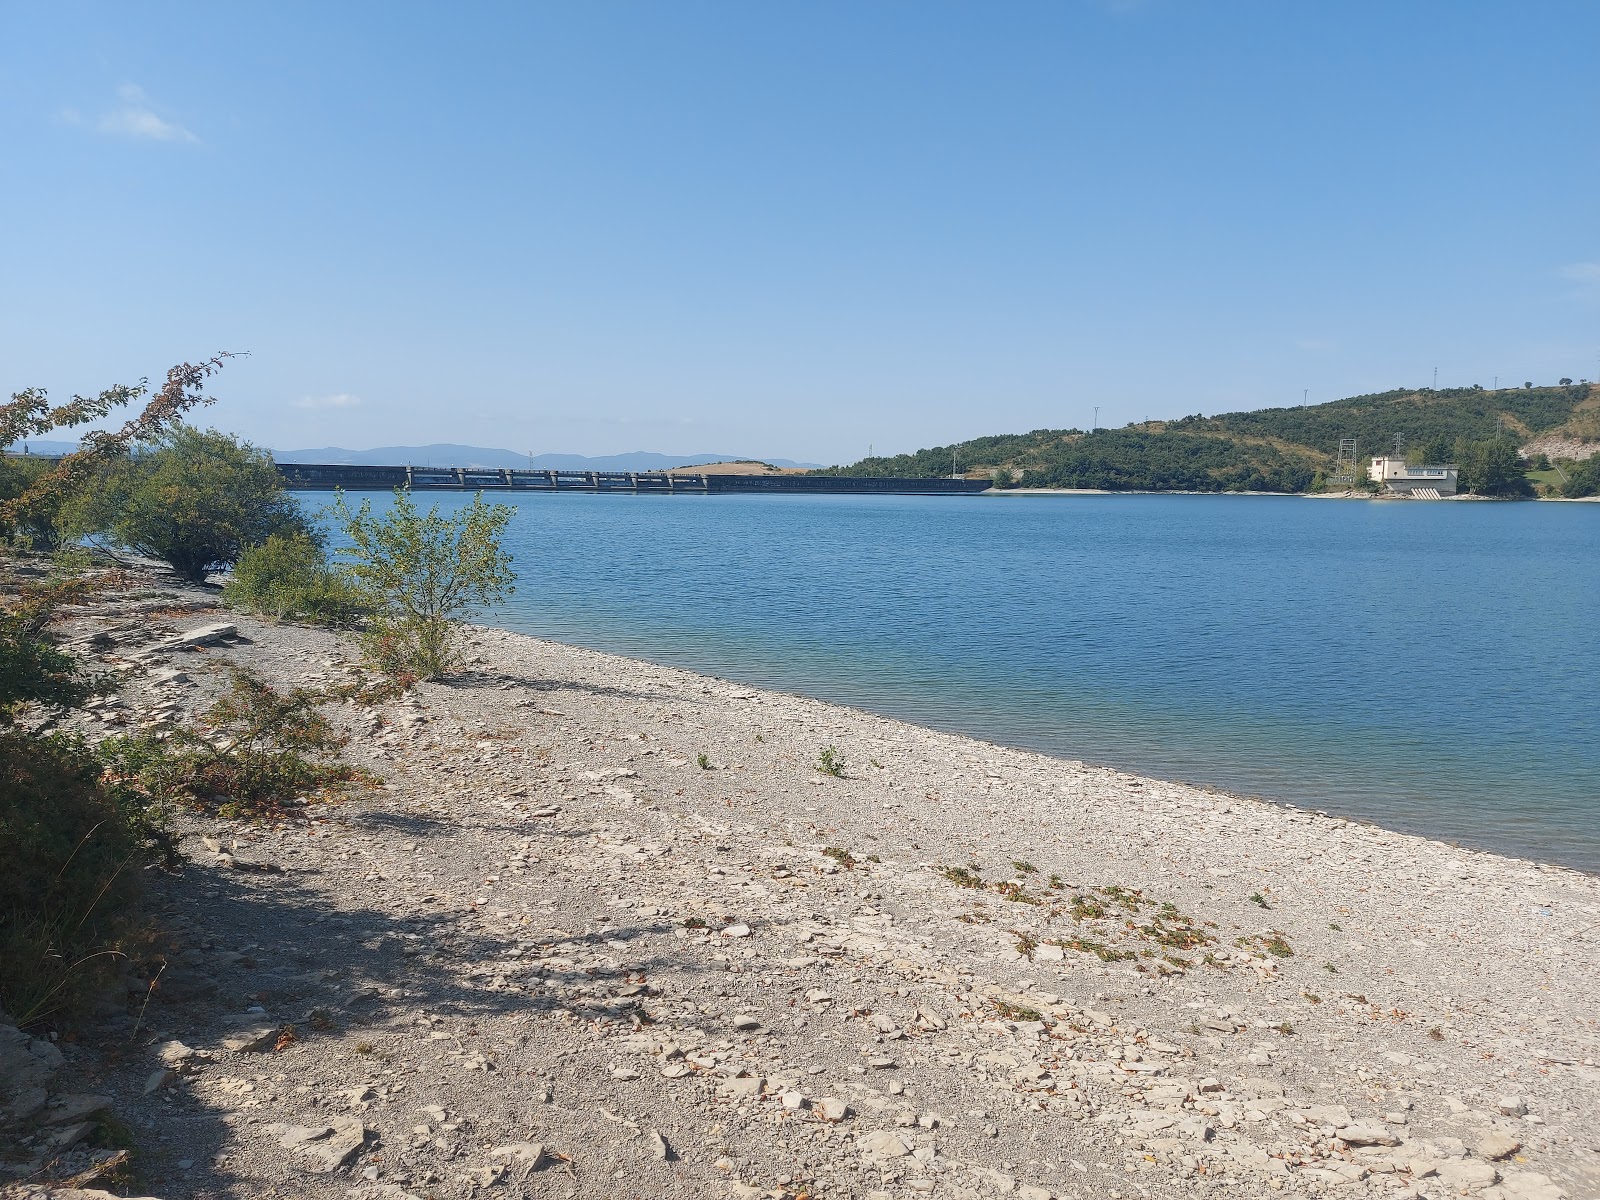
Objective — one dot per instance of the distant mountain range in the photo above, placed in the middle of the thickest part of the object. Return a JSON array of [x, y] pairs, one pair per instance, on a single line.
[[445, 455]]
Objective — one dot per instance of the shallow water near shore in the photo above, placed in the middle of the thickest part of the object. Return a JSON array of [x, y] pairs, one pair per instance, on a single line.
[[1431, 667]]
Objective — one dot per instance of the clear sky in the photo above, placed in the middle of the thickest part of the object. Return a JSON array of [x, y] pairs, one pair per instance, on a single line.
[[793, 229]]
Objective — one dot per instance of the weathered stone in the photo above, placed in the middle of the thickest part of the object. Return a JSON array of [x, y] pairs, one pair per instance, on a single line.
[[1467, 1172], [322, 1148], [1496, 1144], [832, 1108], [74, 1108], [529, 1154], [252, 1038], [1368, 1134], [883, 1144]]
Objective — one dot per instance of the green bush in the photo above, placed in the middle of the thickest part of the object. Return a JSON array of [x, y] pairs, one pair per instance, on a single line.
[[71, 854], [1583, 479], [258, 747], [288, 576], [35, 524], [196, 500], [425, 574]]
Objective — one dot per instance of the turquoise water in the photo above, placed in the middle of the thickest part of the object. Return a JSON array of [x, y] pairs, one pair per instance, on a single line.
[[1432, 667]]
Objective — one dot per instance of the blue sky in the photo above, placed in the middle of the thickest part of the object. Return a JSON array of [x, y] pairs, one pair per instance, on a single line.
[[793, 229]]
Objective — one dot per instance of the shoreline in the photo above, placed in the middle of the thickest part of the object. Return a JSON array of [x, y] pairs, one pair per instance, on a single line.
[[957, 968]]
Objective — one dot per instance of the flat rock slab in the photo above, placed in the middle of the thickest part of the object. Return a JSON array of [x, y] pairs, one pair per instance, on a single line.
[[322, 1148], [254, 1037]]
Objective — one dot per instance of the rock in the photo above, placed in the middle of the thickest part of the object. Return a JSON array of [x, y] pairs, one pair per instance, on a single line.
[[1512, 1106], [745, 1023], [323, 1148], [25, 1061], [1046, 952], [252, 1038], [1496, 1144], [529, 1154], [159, 1079], [793, 1101], [74, 1108], [203, 635], [623, 1074], [832, 1108], [736, 931], [71, 1135], [883, 1145], [1365, 1134], [658, 1145], [25, 1104], [1336, 1115], [1462, 1173], [177, 1055], [743, 1086], [1531, 1185]]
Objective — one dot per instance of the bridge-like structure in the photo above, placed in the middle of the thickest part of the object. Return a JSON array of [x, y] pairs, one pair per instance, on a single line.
[[365, 478]]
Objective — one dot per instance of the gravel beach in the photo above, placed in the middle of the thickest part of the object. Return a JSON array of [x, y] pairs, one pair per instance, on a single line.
[[607, 929]]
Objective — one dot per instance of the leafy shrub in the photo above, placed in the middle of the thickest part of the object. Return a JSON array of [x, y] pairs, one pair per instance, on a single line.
[[196, 500], [70, 857], [288, 576], [1583, 479], [425, 575], [260, 746]]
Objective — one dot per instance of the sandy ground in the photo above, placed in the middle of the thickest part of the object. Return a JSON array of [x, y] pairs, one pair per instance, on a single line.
[[606, 930]]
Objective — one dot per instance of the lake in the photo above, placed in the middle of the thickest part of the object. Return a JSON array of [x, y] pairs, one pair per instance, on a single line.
[[1432, 667]]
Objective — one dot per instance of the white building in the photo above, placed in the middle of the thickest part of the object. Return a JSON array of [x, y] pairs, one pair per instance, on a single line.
[[1428, 483]]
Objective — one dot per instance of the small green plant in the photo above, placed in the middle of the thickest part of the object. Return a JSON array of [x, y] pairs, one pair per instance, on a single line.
[[1056, 883], [1026, 943], [258, 746], [829, 762], [1436, 1034], [873, 858], [966, 877], [759, 738], [1312, 997], [695, 923], [1017, 1012], [874, 762], [1259, 900], [1009, 889], [840, 856], [1025, 868], [1102, 952], [703, 761], [1286, 1029], [1335, 926], [1330, 968]]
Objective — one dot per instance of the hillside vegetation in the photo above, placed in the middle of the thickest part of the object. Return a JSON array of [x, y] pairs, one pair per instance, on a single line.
[[1276, 449]]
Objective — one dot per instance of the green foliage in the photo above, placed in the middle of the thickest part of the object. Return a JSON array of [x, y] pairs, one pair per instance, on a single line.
[[70, 857], [260, 746], [829, 762], [1491, 468], [33, 671], [1583, 478], [288, 576], [1422, 416], [1279, 449], [425, 575], [34, 524], [196, 500]]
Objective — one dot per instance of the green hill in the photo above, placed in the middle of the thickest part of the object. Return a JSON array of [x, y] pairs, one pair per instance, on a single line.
[[1277, 449]]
